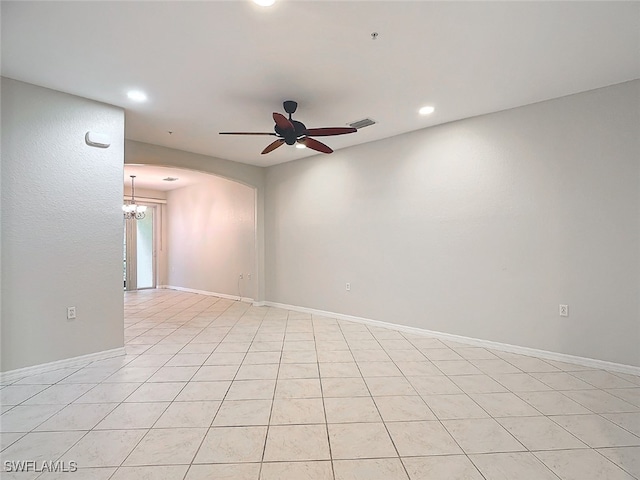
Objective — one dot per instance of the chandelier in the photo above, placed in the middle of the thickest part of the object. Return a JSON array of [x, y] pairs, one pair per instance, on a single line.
[[131, 210]]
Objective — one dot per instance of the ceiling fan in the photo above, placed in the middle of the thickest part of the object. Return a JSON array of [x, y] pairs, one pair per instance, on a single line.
[[290, 131]]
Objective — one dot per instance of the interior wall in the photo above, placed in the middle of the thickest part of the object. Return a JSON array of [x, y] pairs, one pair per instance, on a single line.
[[250, 175], [479, 228], [211, 237], [61, 226]]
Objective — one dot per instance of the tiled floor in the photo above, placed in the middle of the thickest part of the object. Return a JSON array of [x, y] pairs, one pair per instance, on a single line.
[[216, 389]]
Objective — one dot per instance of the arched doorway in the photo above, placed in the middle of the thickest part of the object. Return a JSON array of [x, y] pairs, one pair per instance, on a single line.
[[199, 234]]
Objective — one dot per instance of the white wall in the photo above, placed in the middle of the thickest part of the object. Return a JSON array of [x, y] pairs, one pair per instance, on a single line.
[[479, 228], [61, 226], [144, 153], [211, 237]]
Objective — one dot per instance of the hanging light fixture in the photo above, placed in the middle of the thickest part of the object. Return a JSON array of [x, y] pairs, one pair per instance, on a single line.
[[131, 210]]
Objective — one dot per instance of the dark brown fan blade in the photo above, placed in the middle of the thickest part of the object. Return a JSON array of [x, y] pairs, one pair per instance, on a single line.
[[282, 121], [329, 131], [272, 146], [246, 133], [315, 145]]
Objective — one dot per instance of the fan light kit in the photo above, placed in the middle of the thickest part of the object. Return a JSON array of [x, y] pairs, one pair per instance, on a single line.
[[131, 210], [291, 131]]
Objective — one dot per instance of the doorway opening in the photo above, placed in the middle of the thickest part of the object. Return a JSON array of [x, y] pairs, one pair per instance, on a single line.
[[140, 251], [199, 234]]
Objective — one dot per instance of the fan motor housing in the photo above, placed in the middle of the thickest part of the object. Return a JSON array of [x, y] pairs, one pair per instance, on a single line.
[[291, 136]]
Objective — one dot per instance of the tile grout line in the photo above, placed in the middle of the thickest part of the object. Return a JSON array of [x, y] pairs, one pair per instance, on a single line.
[[404, 467], [443, 425], [86, 432], [521, 416], [225, 395], [188, 305], [324, 407], [149, 430]]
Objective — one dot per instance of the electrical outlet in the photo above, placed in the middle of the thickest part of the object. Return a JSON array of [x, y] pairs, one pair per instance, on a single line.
[[564, 310], [348, 287], [241, 277], [71, 313], [248, 276]]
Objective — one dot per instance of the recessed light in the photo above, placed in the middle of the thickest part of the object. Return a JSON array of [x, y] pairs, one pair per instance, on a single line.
[[300, 145], [426, 110], [137, 95], [264, 3], [170, 179]]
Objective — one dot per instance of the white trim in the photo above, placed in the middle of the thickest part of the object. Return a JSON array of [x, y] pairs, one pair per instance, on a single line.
[[504, 347], [210, 294], [82, 360]]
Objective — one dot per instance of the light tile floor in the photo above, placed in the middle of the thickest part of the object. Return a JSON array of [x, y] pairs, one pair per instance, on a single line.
[[216, 389]]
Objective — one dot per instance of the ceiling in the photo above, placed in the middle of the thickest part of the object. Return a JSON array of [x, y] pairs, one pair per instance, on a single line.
[[151, 177], [226, 66]]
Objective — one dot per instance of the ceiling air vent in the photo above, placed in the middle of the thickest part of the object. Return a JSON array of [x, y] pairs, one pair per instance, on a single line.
[[365, 122]]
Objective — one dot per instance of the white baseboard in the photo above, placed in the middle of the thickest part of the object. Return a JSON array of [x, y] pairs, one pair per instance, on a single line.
[[504, 347], [82, 360], [210, 294]]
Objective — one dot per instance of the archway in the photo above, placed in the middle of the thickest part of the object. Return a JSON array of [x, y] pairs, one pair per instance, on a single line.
[[203, 230]]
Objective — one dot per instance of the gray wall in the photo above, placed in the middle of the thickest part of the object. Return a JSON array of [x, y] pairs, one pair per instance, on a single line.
[[61, 226], [479, 228], [144, 153], [211, 237]]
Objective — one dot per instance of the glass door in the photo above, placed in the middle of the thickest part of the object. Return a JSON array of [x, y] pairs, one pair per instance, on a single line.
[[140, 254], [145, 252]]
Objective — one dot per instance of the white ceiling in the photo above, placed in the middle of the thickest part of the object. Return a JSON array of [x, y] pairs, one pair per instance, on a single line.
[[151, 177], [224, 66]]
